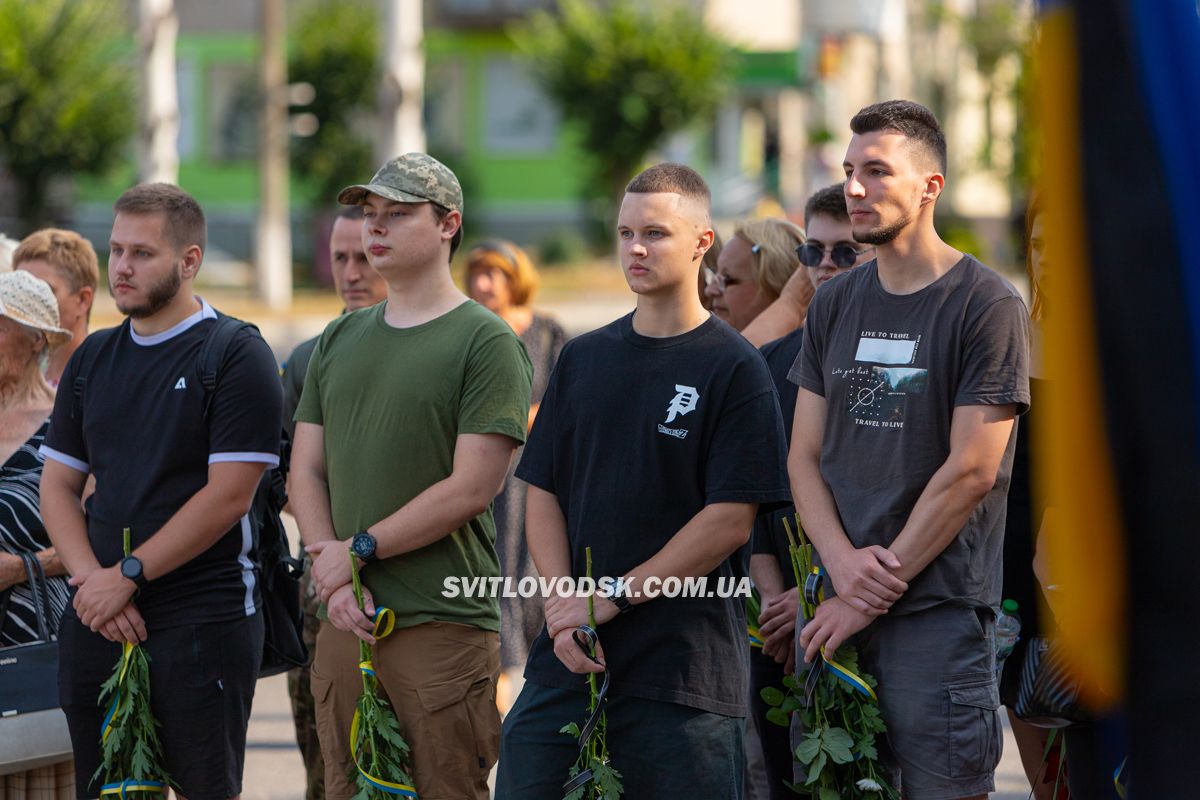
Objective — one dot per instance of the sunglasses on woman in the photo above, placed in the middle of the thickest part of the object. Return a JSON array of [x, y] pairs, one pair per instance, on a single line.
[[842, 255]]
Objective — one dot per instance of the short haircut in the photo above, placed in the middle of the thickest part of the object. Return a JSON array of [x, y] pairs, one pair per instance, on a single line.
[[829, 202], [68, 252], [350, 212], [909, 119], [673, 178], [773, 242], [439, 213], [185, 225], [512, 261]]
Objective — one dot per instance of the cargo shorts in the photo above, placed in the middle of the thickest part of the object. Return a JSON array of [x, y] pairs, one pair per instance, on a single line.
[[441, 680], [937, 690]]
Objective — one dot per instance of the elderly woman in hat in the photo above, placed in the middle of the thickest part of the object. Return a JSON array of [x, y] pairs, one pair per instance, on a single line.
[[29, 331]]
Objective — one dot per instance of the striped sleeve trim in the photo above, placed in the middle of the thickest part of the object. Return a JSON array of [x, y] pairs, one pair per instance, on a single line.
[[63, 458], [255, 458]]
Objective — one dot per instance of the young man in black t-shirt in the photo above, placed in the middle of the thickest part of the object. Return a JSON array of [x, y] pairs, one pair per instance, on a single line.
[[912, 371], [178, 466], [657, 439]]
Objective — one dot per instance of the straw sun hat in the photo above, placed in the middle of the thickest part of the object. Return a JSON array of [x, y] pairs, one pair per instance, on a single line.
[[29, 301]]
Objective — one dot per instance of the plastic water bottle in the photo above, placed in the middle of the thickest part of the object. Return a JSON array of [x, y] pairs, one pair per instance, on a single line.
[[1008, 632]]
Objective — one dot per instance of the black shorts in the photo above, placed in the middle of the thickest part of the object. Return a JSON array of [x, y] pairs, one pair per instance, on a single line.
[[202, 680]]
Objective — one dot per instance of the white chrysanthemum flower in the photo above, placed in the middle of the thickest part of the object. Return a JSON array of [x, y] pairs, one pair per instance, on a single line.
[[868, 785]]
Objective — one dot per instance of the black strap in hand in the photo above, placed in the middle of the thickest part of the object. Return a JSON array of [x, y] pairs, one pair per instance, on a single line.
[[586, 639]]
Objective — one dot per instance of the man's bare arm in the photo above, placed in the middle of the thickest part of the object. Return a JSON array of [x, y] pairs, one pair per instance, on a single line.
[[62, 514], [308, 486], [196, 526], [978, 438], [862, 577]]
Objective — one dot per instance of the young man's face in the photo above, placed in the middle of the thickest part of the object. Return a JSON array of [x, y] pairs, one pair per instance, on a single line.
[[357, 284], [826, 233], [662, 238], [403, 236], [145, 271], [886, 177], [72, 306]]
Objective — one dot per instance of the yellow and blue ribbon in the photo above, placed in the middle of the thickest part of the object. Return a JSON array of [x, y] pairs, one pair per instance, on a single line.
[[107, 726], [391, 787], [814, 595], [131, 785], [120, 788], [385, 623]]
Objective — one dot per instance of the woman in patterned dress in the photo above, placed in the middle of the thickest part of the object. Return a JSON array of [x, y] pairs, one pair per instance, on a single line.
[[29, 331]]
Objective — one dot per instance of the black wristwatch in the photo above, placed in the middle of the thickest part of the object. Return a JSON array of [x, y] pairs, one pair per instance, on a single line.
[[131, 567], [621, 602], [363, 545]]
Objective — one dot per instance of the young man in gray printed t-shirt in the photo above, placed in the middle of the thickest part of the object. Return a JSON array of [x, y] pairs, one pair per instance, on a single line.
[[911, 374]]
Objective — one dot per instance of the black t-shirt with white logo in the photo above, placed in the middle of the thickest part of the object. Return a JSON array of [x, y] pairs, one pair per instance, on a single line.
[[145, 438], [635, 436]]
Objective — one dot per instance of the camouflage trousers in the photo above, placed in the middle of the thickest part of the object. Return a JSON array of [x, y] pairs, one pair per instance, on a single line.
[[303, 706]]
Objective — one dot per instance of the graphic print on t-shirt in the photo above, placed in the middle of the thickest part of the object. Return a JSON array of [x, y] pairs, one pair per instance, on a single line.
[[877, 394], [684, 402]]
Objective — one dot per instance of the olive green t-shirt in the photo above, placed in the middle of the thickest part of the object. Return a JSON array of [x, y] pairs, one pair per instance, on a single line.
[[392, 402]]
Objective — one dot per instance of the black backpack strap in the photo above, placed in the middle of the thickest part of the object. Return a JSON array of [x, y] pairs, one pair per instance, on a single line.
[[214, 351], [87, 359]]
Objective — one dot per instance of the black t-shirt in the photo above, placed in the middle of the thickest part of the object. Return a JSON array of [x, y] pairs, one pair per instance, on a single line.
[[145, 438], [635, 436], [770, 538]]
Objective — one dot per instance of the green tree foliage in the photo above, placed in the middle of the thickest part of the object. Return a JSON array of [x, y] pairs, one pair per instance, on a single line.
[[67, 97], [334, 46], [628, 74]]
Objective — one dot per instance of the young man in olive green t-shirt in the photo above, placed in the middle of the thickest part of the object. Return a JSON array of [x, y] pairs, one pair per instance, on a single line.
[[410, 414]]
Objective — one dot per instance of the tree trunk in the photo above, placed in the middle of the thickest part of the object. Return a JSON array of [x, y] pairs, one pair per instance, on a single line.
[[158, 152], [402, 91]]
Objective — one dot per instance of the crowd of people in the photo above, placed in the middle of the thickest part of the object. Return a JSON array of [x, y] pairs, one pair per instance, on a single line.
[[857, 372]]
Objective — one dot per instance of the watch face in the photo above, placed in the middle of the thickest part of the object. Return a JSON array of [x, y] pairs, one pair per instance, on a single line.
[[131, 568], [363, 546]]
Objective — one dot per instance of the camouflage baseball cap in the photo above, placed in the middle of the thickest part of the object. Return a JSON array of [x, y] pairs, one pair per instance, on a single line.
[[410, 178]]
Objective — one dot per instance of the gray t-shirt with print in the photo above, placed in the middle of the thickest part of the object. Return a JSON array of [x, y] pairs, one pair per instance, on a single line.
[[892, 369]]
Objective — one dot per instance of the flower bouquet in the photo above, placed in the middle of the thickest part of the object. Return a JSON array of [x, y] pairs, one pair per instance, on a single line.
[[592, 777], [377, 746], [131, 756], [838, 708]]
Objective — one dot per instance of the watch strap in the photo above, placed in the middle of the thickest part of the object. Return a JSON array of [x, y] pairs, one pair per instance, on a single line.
[[621, 602]]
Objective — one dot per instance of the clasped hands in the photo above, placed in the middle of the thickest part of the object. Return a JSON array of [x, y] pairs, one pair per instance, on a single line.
[[104, 603], [564, 615], [866, 586], [332, 579]]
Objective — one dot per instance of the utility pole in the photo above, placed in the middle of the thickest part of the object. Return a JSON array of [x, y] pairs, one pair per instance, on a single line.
[[273, 258], [402, 91], [158, 151]]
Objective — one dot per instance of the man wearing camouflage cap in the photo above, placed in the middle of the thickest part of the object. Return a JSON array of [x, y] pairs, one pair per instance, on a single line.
[[410, 414]]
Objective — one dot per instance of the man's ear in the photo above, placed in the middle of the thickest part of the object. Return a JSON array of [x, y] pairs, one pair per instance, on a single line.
[[450, 224], [192, 256], [703, 244], [934, 184]]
